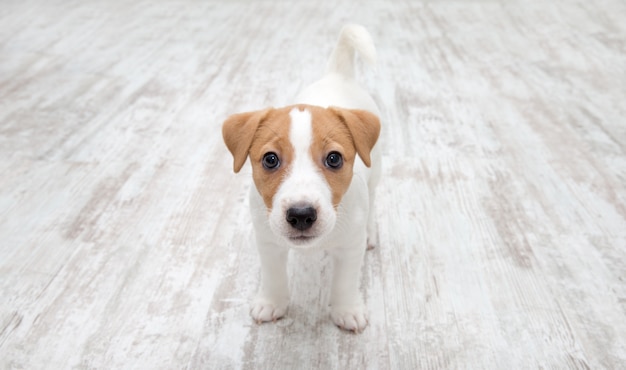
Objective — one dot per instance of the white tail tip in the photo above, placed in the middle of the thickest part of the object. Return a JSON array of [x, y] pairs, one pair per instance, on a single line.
[[353, 37]]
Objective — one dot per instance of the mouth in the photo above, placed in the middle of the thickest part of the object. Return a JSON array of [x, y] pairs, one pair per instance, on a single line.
[[301, 239]]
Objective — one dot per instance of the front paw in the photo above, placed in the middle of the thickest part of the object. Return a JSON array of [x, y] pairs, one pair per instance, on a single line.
[[264, 310], [350, 318]]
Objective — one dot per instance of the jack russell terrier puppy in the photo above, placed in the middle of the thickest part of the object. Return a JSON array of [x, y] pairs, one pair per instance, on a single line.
[[315, 166]]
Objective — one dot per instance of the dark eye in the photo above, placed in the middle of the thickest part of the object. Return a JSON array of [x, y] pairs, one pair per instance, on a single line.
[[334, 160], [271, 161]]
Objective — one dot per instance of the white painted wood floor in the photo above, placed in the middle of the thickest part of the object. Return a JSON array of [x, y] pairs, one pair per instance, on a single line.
[[125, 240]]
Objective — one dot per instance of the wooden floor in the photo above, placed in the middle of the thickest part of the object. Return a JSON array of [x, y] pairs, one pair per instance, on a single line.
[[125, 240]]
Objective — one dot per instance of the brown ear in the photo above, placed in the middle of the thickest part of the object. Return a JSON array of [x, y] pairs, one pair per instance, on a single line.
[[364, 127], [238, 131]]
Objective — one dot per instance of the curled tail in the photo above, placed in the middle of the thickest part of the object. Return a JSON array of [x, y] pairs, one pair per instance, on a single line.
[[352, 38]]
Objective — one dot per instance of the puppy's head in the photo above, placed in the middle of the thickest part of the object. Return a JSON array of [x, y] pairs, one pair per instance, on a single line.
[[302, 159]]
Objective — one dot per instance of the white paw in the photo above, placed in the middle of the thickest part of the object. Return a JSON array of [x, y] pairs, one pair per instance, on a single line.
[[350, 318], [266, 310]]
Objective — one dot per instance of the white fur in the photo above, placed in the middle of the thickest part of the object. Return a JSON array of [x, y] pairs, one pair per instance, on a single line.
[[342, 232]]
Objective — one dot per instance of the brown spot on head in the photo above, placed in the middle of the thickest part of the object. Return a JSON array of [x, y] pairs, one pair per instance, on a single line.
[[272, 136], [331, 136], [255, 134], [345, 132]]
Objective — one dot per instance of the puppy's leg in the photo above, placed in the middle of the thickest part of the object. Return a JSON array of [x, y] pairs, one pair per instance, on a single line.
[[272, 299], [372, 232], [347, 308]]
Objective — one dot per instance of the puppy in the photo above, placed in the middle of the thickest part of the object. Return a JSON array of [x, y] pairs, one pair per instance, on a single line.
[[315, 166]]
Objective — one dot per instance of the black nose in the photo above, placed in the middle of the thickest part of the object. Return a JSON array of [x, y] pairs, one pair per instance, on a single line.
[[301, 218]]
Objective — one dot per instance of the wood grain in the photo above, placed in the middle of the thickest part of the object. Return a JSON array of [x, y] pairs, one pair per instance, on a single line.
[[125, 240]]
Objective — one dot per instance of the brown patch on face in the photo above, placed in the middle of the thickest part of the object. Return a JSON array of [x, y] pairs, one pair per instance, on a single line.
[[331, 135], [272, 136]]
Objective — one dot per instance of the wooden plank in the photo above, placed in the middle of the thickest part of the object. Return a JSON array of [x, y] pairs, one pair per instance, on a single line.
[[126, 240]]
